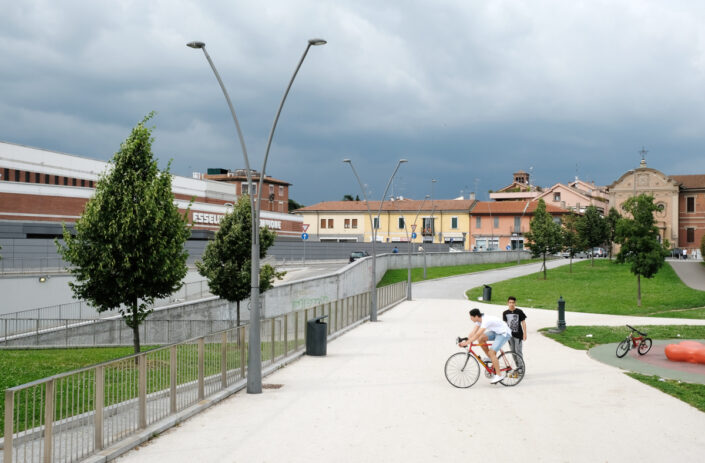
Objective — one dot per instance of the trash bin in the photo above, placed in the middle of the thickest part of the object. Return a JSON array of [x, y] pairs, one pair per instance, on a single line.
[[487, 293], [316, 336]]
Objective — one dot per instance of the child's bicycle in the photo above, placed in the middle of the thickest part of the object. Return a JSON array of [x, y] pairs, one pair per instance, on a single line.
[[463, 368], [631, 341]]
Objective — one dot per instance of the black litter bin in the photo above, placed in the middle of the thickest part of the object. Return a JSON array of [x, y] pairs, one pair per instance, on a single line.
[[487, 293], [316, 336]]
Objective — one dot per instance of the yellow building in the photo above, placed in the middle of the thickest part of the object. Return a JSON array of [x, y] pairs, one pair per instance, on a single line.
[[440, 221]]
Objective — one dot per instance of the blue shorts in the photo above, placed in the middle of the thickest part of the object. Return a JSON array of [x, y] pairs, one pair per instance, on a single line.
[[498, 340]]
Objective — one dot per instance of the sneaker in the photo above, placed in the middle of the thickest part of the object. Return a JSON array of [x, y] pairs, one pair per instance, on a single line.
[[495, 379]]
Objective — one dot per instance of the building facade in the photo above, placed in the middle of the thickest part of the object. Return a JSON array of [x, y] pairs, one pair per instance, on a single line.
[[577, 196], [275, 197], [40, 190]]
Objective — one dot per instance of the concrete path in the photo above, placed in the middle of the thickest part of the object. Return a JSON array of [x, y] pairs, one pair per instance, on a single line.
[[692, 273], [455, 287], [381, 396]]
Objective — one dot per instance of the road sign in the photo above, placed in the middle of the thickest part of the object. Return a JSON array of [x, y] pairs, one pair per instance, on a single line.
[[413, 236], [304, 236], [413, 228], [305, 227]]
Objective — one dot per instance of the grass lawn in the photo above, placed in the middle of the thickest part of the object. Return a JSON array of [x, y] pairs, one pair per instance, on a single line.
[[587, 337], [397, 275], [577, 338], [605, 288]]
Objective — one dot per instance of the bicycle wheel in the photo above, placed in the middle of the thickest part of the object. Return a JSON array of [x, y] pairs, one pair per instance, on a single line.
[[644, 346], [512, 365], [462, 370], [623, 348]]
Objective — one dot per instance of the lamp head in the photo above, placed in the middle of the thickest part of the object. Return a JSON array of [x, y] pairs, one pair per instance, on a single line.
[[347, 160], [315, 42], [196, 45], [402, 160]]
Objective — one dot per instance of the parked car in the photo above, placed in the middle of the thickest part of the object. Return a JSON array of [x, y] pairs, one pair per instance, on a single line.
[[355, 255], [598, 252]]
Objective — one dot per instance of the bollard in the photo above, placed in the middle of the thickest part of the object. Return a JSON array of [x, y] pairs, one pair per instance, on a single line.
[[561, 314]]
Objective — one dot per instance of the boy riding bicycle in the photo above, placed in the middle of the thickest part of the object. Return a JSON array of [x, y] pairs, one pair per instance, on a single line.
[[489, 328]]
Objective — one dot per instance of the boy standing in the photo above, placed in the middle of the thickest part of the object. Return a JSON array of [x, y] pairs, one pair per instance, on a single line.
[[516, 319]]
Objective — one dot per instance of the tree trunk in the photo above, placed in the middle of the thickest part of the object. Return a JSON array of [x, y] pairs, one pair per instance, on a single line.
[[638, 290], [544, 265], [135, 327], [571, 264], [238, 313]]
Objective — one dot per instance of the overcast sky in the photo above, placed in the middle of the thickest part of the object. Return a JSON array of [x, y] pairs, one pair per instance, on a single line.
[[467, 91]]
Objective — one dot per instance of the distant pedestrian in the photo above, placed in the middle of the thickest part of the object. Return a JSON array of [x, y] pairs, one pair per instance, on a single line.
[[420, 248], [693, 254], [395, 250], [685, 253]]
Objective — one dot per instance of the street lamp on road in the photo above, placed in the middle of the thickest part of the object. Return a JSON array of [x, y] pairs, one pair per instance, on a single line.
[[254, 362], [408, 272], [373, 284]]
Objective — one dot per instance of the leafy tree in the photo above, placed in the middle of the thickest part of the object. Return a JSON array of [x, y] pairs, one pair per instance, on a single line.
[[293, 205], [227, 259], [129, 244], [612, 219], [348, 198], [593, 230], [544, 235], [639, 241], [572, 241]]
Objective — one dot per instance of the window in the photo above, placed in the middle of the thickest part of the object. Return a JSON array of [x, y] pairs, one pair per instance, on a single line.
[[56, 179], [690, 233], [83, 182], [7, 175], [354, 223], [401, 223], [478, 221], [73, 181], [454, 222], [66, 181], [517, 223], [281, 190], [346, 223], [690, 204], [375, 221], [37, 177], [90, 184], [281, 206], [26, 177], [17, 176], [496, 222], [330, 223], [47, 178], [271, 189], [556, 197], [323, 223], [245, 189]]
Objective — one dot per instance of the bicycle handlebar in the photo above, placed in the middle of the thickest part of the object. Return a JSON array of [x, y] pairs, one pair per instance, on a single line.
[[634, 329]]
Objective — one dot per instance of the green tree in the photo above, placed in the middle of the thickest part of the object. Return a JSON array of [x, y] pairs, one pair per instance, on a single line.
[[293, 205], [593, 230], [227, 259], [129, 244], [612, 219], [544, 235], [638, 237], [348, 198], [572, 241]]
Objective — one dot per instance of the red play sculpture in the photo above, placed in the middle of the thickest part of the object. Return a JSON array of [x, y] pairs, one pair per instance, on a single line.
[[686, 351]]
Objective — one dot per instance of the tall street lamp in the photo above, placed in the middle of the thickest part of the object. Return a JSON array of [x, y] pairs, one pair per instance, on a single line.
[[433, 229], [408, 272], [254, 362], [373, 283]]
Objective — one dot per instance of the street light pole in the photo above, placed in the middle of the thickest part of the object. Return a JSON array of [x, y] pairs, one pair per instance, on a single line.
[[373, 284], [254, 362], [408, 273]]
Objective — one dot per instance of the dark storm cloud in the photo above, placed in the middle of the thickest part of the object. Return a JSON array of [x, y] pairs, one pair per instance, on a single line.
[[468, 92]]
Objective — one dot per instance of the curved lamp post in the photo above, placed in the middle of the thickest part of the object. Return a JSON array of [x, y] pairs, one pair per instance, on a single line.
[[373, 283], [411, 245], [254, 362]]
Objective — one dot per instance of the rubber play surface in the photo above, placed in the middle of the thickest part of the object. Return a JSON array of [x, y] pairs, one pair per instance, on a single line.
[[653, 363]]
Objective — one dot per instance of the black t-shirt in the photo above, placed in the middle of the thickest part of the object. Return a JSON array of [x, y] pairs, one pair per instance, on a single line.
[[514, 320]]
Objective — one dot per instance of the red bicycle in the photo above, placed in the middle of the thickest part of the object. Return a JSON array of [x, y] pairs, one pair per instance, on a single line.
[[463, 368], [644, 343]]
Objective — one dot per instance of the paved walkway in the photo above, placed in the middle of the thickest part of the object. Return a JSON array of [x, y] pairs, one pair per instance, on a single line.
[[380, 395], [692, 273]]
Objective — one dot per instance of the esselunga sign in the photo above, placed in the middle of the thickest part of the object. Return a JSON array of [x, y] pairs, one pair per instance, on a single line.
[[215, 219]]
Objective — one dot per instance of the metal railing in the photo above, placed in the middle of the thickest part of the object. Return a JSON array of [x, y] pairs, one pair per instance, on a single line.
[[83, 310], [71, 416], [32, 265]]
